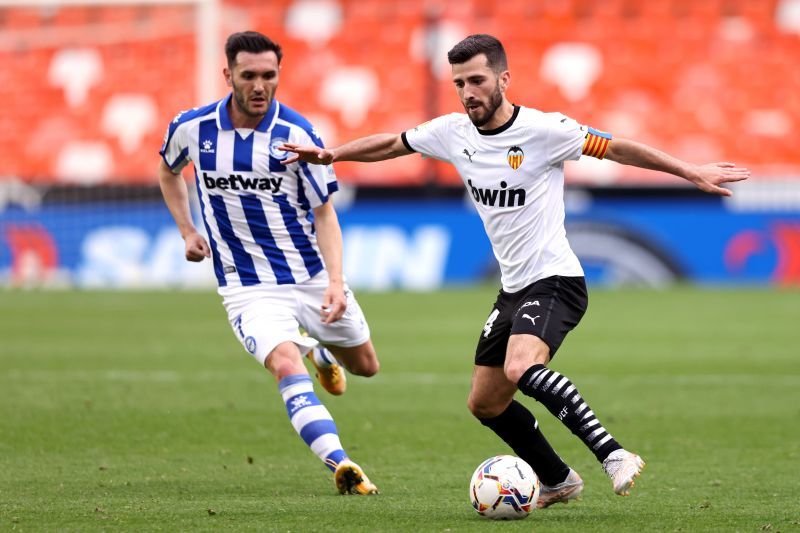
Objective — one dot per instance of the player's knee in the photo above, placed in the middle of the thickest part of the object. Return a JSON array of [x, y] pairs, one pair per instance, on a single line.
[[280, 367], [284, 361], [366, 367], [514, 369], [524, 352], [483, 408]]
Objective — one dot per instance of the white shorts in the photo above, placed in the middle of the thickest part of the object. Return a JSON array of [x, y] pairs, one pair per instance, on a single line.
[[264, 316]]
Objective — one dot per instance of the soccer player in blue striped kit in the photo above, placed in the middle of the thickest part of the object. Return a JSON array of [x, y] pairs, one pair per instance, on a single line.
[[274, 241]]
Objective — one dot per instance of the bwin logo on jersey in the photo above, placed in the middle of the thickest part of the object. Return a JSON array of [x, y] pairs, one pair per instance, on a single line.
[[500, 198], [515, 156]]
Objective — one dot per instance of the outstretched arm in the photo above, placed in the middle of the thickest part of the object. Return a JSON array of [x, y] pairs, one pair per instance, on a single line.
[[376, 147], [707, 177]]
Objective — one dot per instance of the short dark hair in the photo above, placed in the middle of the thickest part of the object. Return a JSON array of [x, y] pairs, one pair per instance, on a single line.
[[480, 43], [250, 41]]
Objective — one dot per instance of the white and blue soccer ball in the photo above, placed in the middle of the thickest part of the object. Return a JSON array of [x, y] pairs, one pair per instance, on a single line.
[[504, 487]]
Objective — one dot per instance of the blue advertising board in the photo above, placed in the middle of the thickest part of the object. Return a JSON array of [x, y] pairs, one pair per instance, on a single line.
[[416, 245]]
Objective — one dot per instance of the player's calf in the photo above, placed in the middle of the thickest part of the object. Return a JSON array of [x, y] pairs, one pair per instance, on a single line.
[[557, 393], [360, 360]]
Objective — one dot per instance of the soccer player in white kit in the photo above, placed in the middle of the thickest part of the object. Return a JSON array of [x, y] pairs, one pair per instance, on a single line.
[[511, 159], [274, 241]]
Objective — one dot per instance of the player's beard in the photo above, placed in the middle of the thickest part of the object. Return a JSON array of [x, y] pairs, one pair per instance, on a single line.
[[241, 102], [495, 101]]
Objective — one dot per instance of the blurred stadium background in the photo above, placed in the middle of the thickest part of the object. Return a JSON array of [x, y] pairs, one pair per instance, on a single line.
[[90, 86]]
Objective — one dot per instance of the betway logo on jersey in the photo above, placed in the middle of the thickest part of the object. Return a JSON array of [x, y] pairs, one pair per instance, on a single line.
[[236, 182], [498, 197]]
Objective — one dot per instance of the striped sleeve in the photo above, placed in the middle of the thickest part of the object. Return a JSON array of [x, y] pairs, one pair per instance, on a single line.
[[175, 150], [596, 143], [320, 178]]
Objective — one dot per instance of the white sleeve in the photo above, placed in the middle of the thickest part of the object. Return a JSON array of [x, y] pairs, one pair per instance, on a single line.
[[565, 139], [568, 140], [175, 149], [429, 138]]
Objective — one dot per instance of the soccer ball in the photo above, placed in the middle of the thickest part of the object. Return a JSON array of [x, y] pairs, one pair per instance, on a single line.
[[504, 488]]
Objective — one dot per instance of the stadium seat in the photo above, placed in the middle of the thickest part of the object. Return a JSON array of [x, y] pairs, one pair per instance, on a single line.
[[350, 91], [685, 68], [84, 162], [23, 18], [75, 70], [313, 21], [129, 118]]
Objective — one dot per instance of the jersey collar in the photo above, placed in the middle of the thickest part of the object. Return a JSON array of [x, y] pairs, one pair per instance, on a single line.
[[225, 119], [504, 127]]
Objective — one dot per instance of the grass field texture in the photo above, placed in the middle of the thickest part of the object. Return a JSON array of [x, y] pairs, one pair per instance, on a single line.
[[141, 411]]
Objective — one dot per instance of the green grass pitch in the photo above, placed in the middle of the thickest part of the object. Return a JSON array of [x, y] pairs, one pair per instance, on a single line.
[[140, 411]]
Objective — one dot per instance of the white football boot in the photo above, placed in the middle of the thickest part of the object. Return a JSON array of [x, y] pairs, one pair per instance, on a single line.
[[622, 467], [569, 489]]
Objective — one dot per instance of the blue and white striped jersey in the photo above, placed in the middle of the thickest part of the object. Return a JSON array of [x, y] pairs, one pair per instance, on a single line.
[[257, 211]]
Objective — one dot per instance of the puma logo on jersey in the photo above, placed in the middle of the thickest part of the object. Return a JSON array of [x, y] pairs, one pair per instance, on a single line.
[[237, 182], [531, 318], [497, 197], [466, 153]]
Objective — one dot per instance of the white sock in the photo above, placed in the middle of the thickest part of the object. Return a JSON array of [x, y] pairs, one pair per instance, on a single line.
[[312, 421], [322, 357]]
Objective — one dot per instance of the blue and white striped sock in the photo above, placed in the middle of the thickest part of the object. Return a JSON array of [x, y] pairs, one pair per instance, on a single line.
[[322, 357], [311, 419]]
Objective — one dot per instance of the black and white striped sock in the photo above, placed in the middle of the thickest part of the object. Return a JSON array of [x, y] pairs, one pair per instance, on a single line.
[[559, 395]]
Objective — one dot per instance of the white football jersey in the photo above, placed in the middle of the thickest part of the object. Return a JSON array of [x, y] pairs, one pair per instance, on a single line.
[[515, 177], [256, 210]]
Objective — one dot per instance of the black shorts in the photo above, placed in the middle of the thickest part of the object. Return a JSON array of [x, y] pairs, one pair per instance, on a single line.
[[548, 308]]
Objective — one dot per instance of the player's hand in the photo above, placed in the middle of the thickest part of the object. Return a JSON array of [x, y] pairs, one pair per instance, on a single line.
[[307, 153], [196, 248], [708, 178], [334, 303]]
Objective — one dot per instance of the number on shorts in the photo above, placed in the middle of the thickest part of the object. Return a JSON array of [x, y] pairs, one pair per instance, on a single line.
[[487, 328]]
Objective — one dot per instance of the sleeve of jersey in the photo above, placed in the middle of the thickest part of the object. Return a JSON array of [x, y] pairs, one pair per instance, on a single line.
[[320, 178], [596, 143], [568, 141], [429, 139], [175, 151]]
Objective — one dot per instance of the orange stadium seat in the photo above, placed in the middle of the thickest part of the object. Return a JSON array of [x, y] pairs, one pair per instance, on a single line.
[[69, 16], [23, 18], [120, 14], [681, 73]]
